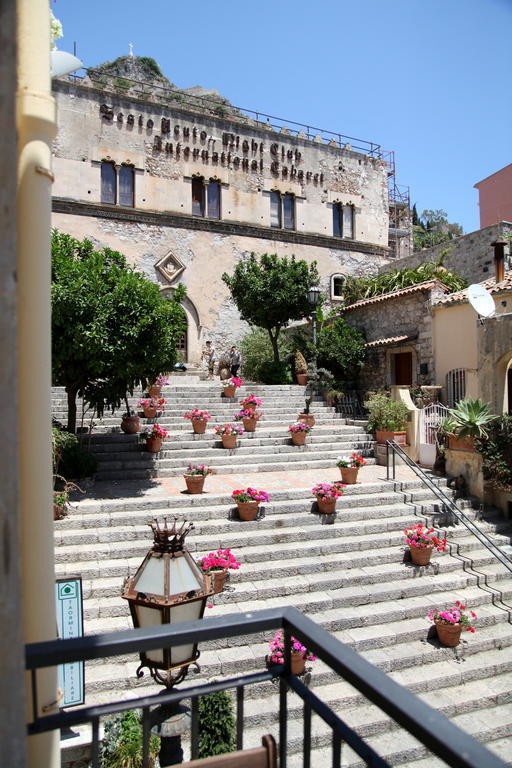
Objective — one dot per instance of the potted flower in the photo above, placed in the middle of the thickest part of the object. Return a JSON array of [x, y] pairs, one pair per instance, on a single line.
[[387, 418], [450, 623], [251, 402], [326, 495], [301, 369], [469, 419], [230, 386], [199, 420], [151, 406], [217, 565], [248, 502], [154, 437], [195, 475], [61, 497], [299, 431], [155, 389], [250, 418], [299, 653], [421, 542], [350, 467], [229, 433]]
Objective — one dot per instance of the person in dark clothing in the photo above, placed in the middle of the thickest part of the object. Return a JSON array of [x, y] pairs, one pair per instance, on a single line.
[[234, 360]]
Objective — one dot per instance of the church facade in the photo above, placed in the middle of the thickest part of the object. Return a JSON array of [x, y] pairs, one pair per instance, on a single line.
[[185, 187]]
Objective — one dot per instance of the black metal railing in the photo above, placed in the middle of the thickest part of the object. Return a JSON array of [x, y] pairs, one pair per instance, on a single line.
[[429, 727], [351, 404], [444, 498]]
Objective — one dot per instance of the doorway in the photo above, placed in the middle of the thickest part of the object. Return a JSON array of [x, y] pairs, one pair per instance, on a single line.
[[509, 389], [403, 368]]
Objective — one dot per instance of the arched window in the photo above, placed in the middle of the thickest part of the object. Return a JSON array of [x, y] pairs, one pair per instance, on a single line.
[[337, 286], [127, 185], [108, 183]]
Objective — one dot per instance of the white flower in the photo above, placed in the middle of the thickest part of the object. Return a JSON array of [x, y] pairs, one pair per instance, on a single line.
[[55, 30]]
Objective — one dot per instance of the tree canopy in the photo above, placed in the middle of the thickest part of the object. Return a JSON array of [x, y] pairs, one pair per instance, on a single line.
[[433, 228], [269, 291], [341, 349], [111, 328]]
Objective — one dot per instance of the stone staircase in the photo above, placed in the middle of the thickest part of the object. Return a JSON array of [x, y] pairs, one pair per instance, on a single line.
[[352, 577]]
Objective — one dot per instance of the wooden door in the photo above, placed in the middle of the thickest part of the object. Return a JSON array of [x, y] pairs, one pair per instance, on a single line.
[[403, 368], [509, 389]]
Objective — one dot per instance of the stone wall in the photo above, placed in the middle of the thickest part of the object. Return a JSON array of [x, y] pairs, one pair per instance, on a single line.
[[494, 349], [471, 256]]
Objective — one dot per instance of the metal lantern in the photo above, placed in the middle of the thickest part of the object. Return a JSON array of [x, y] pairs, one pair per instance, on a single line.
[[168, 588], [314, 296]]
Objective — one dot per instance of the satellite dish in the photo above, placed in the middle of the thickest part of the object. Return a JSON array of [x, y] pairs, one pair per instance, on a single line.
[[481, 300], [62, 63]]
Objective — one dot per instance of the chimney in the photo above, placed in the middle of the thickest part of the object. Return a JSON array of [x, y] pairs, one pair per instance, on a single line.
[[499, 258]]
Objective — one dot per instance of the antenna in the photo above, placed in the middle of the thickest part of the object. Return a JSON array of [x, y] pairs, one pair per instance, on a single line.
[[481, 300]]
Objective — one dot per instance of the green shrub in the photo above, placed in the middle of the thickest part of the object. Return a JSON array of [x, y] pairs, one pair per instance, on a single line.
[[271, 372], [70, 459], [386, 414], [256, 352], [341, 349], [122, 742], [216, 724], [497, 453]]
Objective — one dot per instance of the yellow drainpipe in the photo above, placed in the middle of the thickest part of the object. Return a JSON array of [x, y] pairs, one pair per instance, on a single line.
[[37, 125]]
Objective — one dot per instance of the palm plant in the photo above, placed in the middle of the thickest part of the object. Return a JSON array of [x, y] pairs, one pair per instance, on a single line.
[[469, 418]]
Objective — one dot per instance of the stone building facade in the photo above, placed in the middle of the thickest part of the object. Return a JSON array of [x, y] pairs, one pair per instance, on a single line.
[[185, 187]]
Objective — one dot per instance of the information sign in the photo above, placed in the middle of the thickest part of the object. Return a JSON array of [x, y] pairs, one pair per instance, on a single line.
[[68, 595]]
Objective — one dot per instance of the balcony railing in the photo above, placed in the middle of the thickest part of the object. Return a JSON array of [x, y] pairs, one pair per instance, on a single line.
[[429, 727]]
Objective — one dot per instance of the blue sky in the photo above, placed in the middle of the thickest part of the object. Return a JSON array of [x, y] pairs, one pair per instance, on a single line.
[[429, 79]]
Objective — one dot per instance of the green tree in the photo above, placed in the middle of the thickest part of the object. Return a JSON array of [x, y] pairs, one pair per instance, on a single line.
[[270, 291], [433, 228], [111, 328], [257, 355], [216, 724], [341, 349]]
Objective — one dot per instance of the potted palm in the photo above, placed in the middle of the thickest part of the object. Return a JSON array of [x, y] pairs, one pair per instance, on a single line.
[[387, 418], [199, 420], [195, 475], [228, 434], [350, 467], [470, 419], [299, 432], [217, 564]]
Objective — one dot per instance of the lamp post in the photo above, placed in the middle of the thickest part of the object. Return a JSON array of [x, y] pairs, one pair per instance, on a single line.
[[168, 588], [314, 296]]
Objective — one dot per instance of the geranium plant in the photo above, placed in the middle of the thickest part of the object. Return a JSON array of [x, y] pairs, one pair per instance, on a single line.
[[251, 399], [248, 415], [300, 426], [422, 538], [160, 381], [198, 469], [454, 615], [229, 429], [356, 461], [328, 490], [250, 494], [155, 432], [233, 382], [197, 415], [220, 560], [152, 402], [277, 649]]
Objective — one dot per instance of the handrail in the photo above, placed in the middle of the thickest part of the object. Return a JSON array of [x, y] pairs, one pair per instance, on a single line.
[[487, 542]]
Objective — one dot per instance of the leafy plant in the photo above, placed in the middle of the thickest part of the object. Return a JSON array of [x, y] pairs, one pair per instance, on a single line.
[[257, 356], [269, 291], [469, 418], [342, 349], [496, 450], [70, 459], [150, 66], [386, 414], [122, 742], [216, 724]]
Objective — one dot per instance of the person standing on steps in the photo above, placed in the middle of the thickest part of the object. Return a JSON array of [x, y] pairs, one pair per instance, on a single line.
[[234, 360], [209, 357]]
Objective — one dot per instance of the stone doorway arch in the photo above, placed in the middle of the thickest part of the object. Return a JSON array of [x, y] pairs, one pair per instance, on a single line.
[[190, 343]]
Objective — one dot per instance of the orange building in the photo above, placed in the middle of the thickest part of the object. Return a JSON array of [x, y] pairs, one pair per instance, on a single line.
[[495, 197]]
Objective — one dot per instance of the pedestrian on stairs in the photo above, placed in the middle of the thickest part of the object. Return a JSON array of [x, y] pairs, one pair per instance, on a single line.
[[234, 360], [209, 358]]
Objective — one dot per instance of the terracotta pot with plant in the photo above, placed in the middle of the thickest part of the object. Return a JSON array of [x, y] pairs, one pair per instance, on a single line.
[[248, 502], [249, 418], [229, 433], [468, 421], [299, 432], [299, 654], [229, 386], [250, 403], [217, 564], [198, 419], [449, 623], [195, 475], [155, 389], [301, 369], [326, 496], [349, 468], [151, 406], [421, 542], [387, 418], [154, 438]]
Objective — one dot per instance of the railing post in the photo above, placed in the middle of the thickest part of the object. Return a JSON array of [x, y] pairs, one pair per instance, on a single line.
[[283, 692], [387, 460], [394, 463]]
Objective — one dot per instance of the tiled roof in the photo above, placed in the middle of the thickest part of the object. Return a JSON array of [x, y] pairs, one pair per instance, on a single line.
[[386, 342], [491, 285], [395, 294]]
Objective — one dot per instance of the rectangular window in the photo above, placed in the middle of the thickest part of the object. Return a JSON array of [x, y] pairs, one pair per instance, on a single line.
[[343, 220], [197, 197], [336, 220], [214, 200], [108, 183], [347, 221], [289, 211], [126, 186], [275, 210]]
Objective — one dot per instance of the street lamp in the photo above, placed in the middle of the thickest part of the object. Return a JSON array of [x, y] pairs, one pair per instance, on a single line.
[[168, 588], [314, 297]]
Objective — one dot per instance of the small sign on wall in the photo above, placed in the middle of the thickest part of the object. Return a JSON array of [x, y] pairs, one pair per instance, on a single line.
[[70, 623]]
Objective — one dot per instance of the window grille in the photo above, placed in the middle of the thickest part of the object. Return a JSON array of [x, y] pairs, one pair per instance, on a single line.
[[456, 386]]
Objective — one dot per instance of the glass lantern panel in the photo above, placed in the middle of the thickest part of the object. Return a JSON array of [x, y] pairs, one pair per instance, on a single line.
[[181, 577], [151, 579], [186, 612], [150, 617]]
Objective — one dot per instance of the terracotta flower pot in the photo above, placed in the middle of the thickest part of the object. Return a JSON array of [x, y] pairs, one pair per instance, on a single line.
[[461, 443], [228, 441], [154, 444], [449, 634], [218, 579], [130, 425], [248, 510], [298, 663], [298, 438], [195, 483], [229, 391], [199, 426], [326, 506], [250, 407], [420, 555], [149, 413], [302, 379], [349, 475], [250, 424], [307, 418], [381, 435], [155, 390], [58, 512]]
